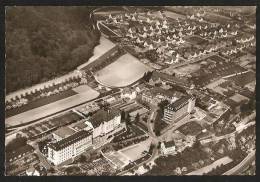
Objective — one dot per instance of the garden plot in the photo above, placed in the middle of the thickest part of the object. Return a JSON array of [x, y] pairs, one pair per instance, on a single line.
[[126, 70], [51, 108]]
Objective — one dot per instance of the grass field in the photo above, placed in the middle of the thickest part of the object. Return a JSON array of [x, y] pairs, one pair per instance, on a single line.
[[51, 108], [123, 72]]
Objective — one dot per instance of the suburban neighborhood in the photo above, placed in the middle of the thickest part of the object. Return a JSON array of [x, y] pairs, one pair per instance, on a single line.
[[166, 90]]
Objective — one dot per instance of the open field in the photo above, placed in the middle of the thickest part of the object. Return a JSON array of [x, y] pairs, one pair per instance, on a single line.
[[51, 108], [173, 15], [104, 46], [123, 72], [185, 70], [117, 159], [134, 152], [196, 40]]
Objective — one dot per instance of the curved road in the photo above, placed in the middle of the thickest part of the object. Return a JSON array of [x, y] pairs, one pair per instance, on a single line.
[[242, 165]]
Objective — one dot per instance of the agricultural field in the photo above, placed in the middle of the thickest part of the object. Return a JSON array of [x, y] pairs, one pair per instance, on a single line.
[[43, 111], [123, 72]]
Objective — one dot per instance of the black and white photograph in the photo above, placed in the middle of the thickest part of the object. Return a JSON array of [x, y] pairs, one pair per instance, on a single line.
[[130, 90]]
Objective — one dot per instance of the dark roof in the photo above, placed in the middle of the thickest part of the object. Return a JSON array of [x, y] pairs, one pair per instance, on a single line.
[[69, 140], [179, 103], [169, 144], [18, 151], [64, 132], [231, 103], [80, 126], [163, 76], [102, 116]]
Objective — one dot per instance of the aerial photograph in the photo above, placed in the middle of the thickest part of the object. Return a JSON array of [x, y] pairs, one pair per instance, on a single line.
[[130, 90]]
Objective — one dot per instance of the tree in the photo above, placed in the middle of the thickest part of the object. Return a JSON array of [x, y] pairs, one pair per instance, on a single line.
[[16, 143], [137, 117], [51, 170], [162, 104], [82, 159], [128, 119], [123, 115]]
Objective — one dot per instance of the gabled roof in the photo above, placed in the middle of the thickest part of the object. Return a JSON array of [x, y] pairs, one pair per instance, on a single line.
[[103, 116], [69, 140], [179, 103], [169, 144]]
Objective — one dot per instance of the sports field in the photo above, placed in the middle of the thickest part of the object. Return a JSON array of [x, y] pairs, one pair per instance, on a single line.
[[134, 152], [126, 70], [52, 108]]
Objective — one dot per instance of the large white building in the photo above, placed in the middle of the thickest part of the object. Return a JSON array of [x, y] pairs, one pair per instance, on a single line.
[[69, 147], [179, 108], [168, 147], [103, 123], [73, 141]]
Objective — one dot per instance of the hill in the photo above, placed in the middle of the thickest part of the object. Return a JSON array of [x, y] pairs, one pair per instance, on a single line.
[[46, 42]]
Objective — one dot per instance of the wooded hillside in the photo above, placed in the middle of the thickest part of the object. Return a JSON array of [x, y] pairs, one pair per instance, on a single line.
[[45, 42]]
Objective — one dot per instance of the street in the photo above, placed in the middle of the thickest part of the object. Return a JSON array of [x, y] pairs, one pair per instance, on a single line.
[[242, 165]]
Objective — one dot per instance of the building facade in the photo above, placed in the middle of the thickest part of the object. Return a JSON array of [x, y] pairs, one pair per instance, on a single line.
[[179, 108], [168, 147], [69, 147]]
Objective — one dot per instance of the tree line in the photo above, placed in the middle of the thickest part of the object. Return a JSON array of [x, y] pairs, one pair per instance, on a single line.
[[46, 42]]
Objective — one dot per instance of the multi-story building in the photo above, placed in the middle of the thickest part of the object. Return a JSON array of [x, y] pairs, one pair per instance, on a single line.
[[69, 147], [168, 147], [157, 95], [104, 123], [179, 108]]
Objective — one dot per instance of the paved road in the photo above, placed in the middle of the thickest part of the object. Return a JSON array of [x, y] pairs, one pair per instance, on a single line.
[[242, 165]]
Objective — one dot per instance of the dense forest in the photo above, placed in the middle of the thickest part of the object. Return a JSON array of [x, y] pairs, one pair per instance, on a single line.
[[45, 42]]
